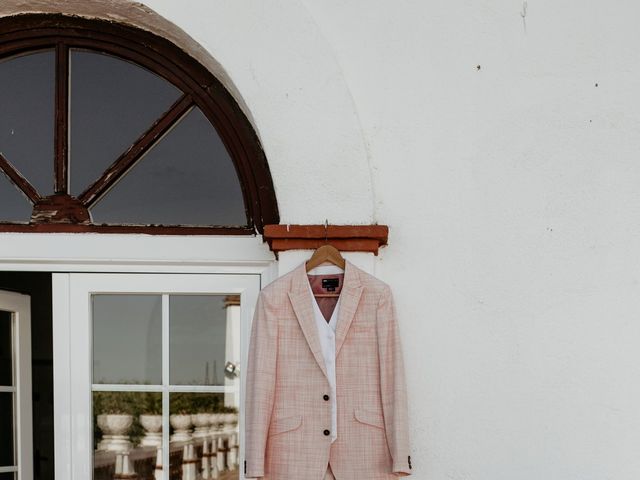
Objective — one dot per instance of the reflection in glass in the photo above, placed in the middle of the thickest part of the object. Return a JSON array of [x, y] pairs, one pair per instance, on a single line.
[[15, 207], [127, 434], [27, 116], [113, 102], [188, 178], [6, 349], [204, 436], [127, 339], [204, 336], [7, 458]]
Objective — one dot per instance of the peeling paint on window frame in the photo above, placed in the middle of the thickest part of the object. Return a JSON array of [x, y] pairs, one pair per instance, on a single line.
[[62, 212]]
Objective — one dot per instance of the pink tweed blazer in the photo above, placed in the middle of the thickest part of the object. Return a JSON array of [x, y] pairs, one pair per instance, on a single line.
[[288, 417]]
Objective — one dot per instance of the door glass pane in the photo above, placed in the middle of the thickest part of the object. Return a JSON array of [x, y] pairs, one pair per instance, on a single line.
[[6, 430], [209, 423], [127, 430], [188, 178], [27, 116], [127, 339], [204, 339], [113, 102], [6, 349]]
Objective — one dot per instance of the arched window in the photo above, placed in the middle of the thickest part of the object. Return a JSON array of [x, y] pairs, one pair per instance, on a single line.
[[108, 128]]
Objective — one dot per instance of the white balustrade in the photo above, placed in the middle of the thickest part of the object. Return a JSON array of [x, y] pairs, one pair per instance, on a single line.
[[157, 474], [124, 469], [233, 451], [185, 459], [221, 454], [220, 451]]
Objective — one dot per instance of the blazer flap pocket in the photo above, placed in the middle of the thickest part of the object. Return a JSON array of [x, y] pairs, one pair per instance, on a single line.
[[284, 424], [370, 418], [365, 327]]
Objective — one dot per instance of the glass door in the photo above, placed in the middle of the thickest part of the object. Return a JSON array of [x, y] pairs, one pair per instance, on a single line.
[[156, 369], [16, 452]]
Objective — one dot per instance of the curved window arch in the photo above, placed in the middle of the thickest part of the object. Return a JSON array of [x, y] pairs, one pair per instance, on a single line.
[[108, 128]]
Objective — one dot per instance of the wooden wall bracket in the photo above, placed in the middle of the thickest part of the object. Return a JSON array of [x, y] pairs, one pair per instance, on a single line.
[[349, 238]]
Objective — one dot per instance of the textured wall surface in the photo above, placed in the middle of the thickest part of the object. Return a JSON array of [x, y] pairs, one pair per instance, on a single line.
[[499, 141]]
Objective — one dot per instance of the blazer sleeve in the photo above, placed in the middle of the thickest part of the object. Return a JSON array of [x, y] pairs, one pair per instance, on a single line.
[[393, 384], [260, 388]]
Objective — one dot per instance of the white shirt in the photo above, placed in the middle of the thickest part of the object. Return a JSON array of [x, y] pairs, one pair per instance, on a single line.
[[327, 335]]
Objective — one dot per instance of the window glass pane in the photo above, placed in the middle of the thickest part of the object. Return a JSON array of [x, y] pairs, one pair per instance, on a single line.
[[7, 476], [127, 430], [127, 339], [204, 338], [112, 103], [27, 116], [6, 349], [6, 430], [187, 178], [14, 206], [209, 422]]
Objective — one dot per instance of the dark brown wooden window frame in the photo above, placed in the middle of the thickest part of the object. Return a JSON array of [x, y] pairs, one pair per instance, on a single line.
[[62, 212]]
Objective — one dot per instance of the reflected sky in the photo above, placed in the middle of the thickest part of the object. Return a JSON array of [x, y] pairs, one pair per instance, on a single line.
[[27, 116], [112, 103], [198, 328], [188, 178], [127, 339], [14, 205]]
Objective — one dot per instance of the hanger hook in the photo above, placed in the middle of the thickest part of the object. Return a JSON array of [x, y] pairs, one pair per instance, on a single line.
[[326, 224]]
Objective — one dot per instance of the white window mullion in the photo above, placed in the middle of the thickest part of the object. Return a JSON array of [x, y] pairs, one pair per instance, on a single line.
[[80, 380], [165, 389], [20, 308], [62, 374], [203, 388], [22, 349], [124, 387]]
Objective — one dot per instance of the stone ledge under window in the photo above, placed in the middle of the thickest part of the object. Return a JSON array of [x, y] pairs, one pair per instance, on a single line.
[[348, 238]]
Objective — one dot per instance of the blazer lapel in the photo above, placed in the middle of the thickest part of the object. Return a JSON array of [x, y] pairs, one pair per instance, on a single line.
[[301, 300], [349, 299]]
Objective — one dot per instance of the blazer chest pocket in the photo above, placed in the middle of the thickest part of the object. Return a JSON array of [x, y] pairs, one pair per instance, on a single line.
[[284, 424], [363, 330], [368, 417]]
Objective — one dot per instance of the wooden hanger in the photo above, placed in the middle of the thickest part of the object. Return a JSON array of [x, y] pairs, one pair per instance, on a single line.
[[325, 253]]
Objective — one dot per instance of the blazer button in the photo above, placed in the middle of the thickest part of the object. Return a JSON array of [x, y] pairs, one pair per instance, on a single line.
[[326, 397], [326, 432]]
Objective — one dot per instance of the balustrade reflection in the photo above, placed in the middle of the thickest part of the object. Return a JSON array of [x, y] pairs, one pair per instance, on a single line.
[[203, 440]]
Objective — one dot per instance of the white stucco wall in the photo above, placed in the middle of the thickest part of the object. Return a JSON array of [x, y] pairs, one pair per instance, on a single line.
[[502, 152], [286, 71], [511, 193]]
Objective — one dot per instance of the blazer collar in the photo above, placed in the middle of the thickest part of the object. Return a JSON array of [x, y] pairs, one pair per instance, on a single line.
[[301, 300]]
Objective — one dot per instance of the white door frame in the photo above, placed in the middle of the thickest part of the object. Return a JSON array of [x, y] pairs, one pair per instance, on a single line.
[[117, 253], [74, 332], [20, 306]]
